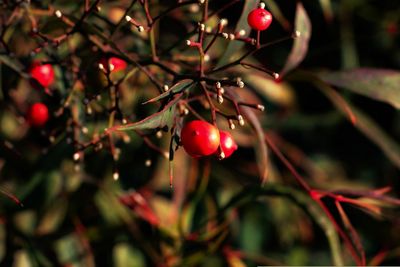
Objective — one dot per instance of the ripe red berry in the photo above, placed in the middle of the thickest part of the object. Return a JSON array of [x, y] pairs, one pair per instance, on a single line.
[[228, 145], [200, 138], [118, 63], [38, 114], [259, 19], [44, 74]]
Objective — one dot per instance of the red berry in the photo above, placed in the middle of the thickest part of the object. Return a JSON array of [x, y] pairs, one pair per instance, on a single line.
[[38, 114], [44, 74], [118, 63], [259, 19], [228, 145], [200, 138]]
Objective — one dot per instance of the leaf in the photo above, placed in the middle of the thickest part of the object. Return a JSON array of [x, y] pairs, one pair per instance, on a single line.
[[127, 256], [280, 93], [326, 6], [15, 65], [163, 118], [365, 124], [242, 24], [250, 194], [53, 217], [140, 206], [379, 84], [352, 232], [260, 148], [300, 46], [177, 88], [278, 15]]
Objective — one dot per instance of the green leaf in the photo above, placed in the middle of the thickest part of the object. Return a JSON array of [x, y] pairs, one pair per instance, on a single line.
[[163, 118], [303, 200], [379, 84], [365, 124], [260, 148], [177, 88], [234, 47], [326, 6], [278, 15], [300, 46], [127, 256], [15, 65]]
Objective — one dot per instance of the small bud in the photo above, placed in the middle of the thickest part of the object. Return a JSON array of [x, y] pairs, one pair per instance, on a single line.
[[242, 33], [231, 36], [166, 155], [188, 42], [140, 28], [221, 90], [221, 155], [76, 156], [218, 85], [241, 120], [260, 107], [166, 87], [194, 8], [231, 124], [52, 139], [147, 163], [220, 99], [124, 121], [128, 18], [89, 110], [101, 66], [297, 34], [253, 41], [185, 111], [276, 75], [115, 176], [262, 5], [201, 2], [206, 57], [127, 139], [225, 35], [58, 14], [111, 66], [85, 130], [240, 84], [159, 134], [223, 22], [208, 29], [202, 27]]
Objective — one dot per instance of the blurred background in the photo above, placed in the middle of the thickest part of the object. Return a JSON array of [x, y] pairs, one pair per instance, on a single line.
[[90, 207]]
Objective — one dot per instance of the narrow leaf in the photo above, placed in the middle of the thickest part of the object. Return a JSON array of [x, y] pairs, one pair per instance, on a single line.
[[260, 147], [242, 24], [163, 118], [366, 125], [300, 46], [15, 65], [379, 84], [278, 15], [326, 6], [177, 88], [352, 232]]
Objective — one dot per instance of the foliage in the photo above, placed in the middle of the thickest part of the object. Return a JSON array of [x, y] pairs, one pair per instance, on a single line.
[[106, 183]]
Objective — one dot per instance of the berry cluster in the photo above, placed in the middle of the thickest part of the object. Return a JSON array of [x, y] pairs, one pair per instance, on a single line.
[[38, 113], [200, 138]]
